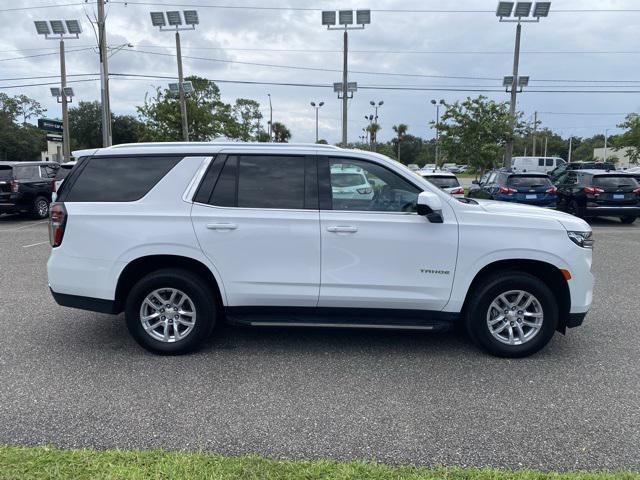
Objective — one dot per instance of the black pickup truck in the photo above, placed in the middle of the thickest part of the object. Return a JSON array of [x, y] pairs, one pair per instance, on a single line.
[[26, 187]]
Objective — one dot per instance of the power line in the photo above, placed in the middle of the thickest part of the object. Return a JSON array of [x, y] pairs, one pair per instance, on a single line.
[[584, 113], [44, 54], [6, 87], [34, 7]]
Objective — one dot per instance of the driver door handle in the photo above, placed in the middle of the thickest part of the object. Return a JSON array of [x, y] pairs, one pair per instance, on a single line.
[[222, 226], [342, 229]]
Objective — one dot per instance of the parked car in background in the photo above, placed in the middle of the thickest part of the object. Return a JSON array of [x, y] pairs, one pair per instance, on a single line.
[[446, 181], [507, 186], [535, 164], [350, 184], [558, 171], [462, 168], [256, 235], [430, 166], [62, 173], [26, 187], [598, 193], [413, 167]]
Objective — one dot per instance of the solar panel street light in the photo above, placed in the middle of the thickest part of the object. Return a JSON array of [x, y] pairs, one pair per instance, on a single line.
[[345, 17], [42, 27], [157, 19], [174, 88], [507, 81], [187, 87], [541, 9], [174, 18], [328, 18], [363, 17], [73, 27], [522, 9], [68, 91], [523, 81], [56, 92], [191, 17], [504, 9], [57, 26]]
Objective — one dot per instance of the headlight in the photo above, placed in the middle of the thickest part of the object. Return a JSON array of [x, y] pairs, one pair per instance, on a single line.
[[582, 239]]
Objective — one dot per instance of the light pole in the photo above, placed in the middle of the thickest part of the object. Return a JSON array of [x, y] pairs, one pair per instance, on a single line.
[[345, 88], [59, 30], [175, 24], [437, 105], [317, 107], [606, 134], [521, 15], [270, 117]]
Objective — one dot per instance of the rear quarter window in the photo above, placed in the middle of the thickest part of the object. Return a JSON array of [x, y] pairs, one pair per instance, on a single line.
[[117, 179], [6, 173], [443, 182]]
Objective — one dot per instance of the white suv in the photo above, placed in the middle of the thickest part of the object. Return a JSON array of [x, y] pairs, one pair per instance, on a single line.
[[181, 236]]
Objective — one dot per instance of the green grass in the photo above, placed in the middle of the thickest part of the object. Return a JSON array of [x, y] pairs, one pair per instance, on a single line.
[[53, 463]]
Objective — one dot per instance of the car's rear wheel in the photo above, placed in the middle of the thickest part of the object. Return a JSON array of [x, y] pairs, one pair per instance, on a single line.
[[627, 220], [512, 314], [170, 311], [40, 208]]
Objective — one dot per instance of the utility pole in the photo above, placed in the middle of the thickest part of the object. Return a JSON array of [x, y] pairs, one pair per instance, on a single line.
[[545, 146], [317, 107], [183, 103], [514, 93], [535, 127], [437, 105], [570, 147], [66, 145], [270, 118], [107, 138], [345, 95], [606, 134]]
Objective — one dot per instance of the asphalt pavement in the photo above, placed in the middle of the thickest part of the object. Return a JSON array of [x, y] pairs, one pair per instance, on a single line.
[[76, 379]]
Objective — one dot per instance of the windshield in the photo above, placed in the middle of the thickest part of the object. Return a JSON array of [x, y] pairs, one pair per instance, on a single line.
[[528, 182], [347, 179], [443, 182], [612, 181], [5, 173]]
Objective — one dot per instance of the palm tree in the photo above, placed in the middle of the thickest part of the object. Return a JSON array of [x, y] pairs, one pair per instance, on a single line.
[[281, 134], [373, 129], [401, 131]]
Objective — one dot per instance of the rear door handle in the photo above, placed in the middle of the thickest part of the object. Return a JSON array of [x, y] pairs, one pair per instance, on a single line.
[[222, 226], [342, 229]]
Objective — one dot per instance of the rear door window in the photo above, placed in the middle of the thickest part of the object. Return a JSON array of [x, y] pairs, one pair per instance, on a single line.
[[444, 182], [48, 171], [541, 162], [549, 162], [6, 173], [528, 182], [26, 172], [118, 179]]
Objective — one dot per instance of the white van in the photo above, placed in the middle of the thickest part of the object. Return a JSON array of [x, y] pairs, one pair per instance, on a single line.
[[535, 164]]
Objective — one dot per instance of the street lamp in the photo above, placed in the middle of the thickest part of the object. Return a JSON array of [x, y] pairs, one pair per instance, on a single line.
[[317, 107], [345, 21], [59, 30], [520, 15], [437, 105], [174, 19], [270, 116]]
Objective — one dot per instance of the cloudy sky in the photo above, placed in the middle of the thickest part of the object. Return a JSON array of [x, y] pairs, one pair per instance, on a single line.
[[402, 53]]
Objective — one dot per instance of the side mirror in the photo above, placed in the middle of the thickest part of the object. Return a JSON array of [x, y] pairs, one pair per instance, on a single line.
[[430, 206]]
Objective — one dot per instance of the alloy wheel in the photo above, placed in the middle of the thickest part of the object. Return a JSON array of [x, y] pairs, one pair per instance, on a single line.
[[515, 317], [168, 315]]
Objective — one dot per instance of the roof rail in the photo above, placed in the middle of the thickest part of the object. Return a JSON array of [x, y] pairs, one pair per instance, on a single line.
[[224, 144]]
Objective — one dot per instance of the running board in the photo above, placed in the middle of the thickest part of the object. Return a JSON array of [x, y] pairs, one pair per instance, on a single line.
[[353, 318]]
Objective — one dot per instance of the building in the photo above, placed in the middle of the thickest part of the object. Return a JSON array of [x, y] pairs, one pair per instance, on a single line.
[[621, 156]]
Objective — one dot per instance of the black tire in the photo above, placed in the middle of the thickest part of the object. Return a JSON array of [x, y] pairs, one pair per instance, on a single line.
[[489, 289], [198, 291], [40, 208], [627, 220]]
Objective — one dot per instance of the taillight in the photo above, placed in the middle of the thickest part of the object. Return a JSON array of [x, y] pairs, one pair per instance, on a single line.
[[593, 190], [57, 223], [364, 191], [552, 190], [14, 186], [53, 186], [507, 190], [458, 191]]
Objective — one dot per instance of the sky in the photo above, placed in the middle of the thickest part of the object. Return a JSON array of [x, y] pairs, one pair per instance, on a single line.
[[403, 58]]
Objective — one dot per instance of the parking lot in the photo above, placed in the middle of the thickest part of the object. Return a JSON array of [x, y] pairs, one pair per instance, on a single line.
[[76, 379]]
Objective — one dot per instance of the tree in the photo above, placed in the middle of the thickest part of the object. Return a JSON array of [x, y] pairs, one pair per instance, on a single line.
[[263, 137], [28, 107], [322, 141], [208, 117], [475, 132], [373, 129], [19, 142], [85, 126], [281, 134], [630, 138], [401, 131], [246, 120]]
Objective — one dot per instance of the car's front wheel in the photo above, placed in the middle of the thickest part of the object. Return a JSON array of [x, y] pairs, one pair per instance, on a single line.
[[627, 220], [512, 314], [170, 311], [40, 208]]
